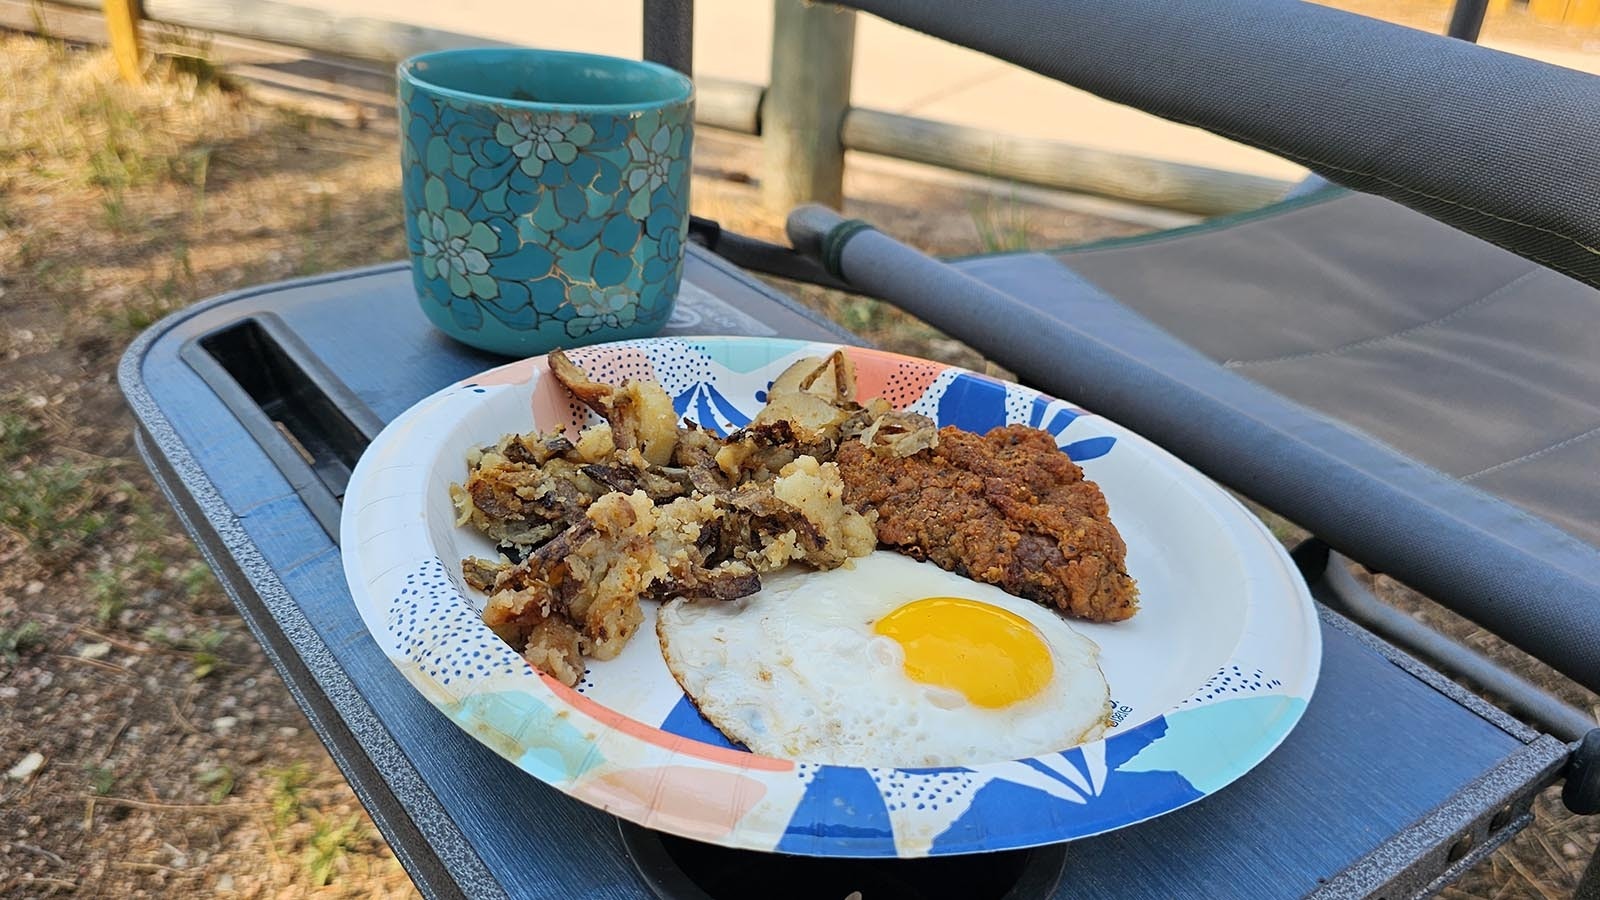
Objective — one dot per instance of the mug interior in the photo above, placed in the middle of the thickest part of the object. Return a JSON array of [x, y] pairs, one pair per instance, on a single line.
[[547, 79]]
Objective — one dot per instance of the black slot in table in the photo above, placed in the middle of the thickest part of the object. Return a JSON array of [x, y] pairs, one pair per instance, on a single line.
[[253, 407]]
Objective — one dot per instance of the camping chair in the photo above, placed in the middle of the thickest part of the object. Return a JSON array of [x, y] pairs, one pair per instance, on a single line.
[[1463, 475], [1406, 362]]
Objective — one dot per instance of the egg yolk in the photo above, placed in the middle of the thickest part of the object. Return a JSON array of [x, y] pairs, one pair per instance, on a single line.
[[993, 657]]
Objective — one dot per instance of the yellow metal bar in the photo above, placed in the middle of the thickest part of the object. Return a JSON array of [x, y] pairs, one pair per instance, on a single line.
[[1547, 10], [1583, 13], [122, 25]]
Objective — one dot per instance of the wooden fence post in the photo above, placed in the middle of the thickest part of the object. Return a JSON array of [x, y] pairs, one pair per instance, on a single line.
[[122, 26], [812, 52], [1583, 13]]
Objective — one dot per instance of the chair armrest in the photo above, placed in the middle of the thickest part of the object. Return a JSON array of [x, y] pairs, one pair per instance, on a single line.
[[1497, 145]]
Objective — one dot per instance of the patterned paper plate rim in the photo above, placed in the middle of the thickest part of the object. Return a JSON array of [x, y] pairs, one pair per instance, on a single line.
[[1206, 681]]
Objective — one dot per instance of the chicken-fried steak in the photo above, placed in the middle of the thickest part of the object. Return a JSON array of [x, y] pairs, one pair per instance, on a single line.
[[1007, 508]]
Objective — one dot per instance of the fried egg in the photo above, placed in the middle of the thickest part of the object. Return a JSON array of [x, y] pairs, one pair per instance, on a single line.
[[890, 663]]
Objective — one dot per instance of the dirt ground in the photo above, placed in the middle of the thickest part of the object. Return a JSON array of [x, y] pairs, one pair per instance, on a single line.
[[152, 750]]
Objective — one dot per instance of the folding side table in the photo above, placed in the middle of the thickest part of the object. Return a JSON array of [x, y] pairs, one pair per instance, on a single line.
[[252, 409]]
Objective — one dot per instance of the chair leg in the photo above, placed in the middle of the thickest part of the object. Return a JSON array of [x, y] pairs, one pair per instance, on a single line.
[[1589, 884], [1581, 794], [1466, 20]]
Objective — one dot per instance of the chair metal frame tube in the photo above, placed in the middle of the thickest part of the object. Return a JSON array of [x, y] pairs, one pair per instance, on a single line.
[[1589, 885], [1523, 698]]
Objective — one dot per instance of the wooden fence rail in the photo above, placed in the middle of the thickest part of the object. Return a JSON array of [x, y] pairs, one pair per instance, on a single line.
[[1054, 164], [743, 107]]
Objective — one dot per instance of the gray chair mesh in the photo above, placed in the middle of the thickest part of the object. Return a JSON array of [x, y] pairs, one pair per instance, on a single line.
[[1452, 351]]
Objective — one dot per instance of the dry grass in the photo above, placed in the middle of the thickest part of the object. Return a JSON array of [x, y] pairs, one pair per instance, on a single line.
[[176, 763], [166, 736]]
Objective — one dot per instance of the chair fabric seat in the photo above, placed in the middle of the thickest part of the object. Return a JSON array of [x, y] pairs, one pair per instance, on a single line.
[[1450, 350]]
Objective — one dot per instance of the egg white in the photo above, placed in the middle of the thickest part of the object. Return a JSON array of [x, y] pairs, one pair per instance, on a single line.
[[796, 671]]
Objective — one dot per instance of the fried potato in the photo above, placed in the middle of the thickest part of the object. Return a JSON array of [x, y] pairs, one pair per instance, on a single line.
[[644, 507]]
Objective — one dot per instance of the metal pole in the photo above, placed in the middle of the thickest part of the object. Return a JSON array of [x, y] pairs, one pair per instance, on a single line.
[[1335, 586], [669, 33], [1466, 20], [122, 27], [1589, 885]]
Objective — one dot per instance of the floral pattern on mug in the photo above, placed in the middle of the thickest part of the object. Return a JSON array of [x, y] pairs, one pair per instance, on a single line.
[[561, 225]]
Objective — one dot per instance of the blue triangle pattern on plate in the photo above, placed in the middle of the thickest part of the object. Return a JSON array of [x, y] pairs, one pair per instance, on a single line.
[[686, 721], [841, 803], [1123, 797]]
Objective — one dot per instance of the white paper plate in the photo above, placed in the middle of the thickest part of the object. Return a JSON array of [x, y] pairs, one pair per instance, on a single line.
[[1207, 679]]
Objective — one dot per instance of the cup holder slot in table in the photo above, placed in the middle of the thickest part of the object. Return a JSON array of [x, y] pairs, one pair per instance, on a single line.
[[312, 427]]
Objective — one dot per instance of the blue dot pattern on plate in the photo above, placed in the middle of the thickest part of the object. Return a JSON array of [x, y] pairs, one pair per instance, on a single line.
[[442, 634], [684, 372], [680, 366], [930, 790], [609, 366], [686, 375], [1231, 680]]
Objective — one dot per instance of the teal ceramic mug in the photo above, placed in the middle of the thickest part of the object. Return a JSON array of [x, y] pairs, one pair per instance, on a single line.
[[546, 194]]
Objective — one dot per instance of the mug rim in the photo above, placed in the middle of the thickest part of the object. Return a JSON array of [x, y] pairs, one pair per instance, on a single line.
[[407, 71]]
